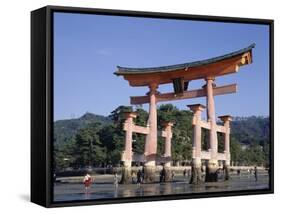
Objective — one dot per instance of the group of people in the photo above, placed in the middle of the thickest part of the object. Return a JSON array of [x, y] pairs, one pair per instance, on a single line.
[[88, 179], [138, 177], [250, 172]]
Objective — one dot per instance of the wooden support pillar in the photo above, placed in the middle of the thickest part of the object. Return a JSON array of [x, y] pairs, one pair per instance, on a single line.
[[151, 138], [168, 152], [127, 153], [212, 165], [196, 176], [226, 120]]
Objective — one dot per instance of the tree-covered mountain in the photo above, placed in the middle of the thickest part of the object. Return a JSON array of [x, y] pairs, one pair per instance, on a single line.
[[68, 128], [94, 140], [249, 130]]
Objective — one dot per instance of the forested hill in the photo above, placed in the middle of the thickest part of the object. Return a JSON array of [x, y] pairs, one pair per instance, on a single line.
[[249, 130], [65, 129], [96, 140]]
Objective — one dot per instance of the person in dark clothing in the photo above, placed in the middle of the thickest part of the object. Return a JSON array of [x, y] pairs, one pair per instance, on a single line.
[[173, 175], [256, 173], [161, 176], [238, 172], [139, 177], [164, 174], [184, 173]]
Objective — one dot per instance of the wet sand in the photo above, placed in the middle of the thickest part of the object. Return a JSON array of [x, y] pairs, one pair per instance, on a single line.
[[103, 187]]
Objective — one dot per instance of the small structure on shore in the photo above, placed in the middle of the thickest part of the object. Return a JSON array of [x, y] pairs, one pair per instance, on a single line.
[[180, 76]]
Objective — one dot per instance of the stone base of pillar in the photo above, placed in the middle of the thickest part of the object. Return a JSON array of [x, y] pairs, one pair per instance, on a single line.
[[226, 173], [211, 172], [168, 174], [126, 177], [196, 175], [149, 174]]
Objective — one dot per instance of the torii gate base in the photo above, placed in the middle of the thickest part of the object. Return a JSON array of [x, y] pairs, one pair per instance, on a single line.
[[149, 174], [126, 174], [211, 156], [168, 174], [226, 171], [150, 165], [211, 172], [150, 158], [196, 175]]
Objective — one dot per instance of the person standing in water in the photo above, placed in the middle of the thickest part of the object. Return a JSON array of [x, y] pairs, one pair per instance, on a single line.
[[173, 175], [87, 181], [184, 173], [139, 177], [256, 173], [116, 179]]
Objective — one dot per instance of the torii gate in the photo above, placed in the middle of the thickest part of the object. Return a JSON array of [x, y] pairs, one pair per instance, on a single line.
[[127, 156], [180, 75]]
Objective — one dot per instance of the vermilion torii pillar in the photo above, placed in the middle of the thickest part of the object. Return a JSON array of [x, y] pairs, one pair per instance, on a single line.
[[168, 142], [128, 154], [196, 176], [168, 151], [212, 166], [128, 137], [151, 139], [226, 119]]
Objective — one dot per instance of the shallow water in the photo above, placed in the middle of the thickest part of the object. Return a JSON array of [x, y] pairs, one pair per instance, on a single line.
[[70, 192]]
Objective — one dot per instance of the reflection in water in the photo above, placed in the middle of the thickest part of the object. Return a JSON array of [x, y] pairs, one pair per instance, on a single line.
[[167, 189], [139, 191], [127, 193], [65, 192], [115, 191]]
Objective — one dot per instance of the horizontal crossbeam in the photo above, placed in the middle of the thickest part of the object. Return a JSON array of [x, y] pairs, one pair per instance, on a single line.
[[207, 125], [137, 129], [205, 155], [227, 89]]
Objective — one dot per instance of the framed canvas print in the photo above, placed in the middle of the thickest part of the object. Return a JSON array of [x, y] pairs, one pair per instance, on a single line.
[[140, 106]]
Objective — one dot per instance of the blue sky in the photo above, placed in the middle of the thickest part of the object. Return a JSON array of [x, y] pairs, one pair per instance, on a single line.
[[87, 49]]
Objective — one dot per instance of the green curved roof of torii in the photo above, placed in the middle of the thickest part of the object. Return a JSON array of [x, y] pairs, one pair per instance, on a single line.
[[147, 70]]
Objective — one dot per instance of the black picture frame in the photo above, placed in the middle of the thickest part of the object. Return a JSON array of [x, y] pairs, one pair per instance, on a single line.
[[42, 103]]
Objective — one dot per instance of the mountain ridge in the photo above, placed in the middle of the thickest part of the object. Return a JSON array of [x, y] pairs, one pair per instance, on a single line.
[[67, 128]]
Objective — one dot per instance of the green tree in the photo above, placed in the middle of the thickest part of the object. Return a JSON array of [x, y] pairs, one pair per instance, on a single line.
[[182, 131], [64, 154], [235, 150], [113, 141], [89, 149], [117, 115], [253, 155]]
